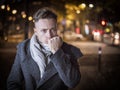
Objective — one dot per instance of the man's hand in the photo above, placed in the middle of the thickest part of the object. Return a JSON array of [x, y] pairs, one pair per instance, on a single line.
[[55, 43]]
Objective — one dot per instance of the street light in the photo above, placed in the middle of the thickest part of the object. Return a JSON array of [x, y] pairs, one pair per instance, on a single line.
[[82, 6], [103, 22], [30, 18], [8, 8], [14, 11], [78, 11], [23, 14], [91, 5], [2, 6]]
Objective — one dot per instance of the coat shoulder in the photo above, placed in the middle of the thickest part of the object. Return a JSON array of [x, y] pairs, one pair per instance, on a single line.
[[23, 43], [23, 47]]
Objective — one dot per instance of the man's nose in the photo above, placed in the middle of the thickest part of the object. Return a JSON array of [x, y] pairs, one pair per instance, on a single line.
[[49, 34]]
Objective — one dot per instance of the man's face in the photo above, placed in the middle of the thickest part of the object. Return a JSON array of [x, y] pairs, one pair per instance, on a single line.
[[45, 29]]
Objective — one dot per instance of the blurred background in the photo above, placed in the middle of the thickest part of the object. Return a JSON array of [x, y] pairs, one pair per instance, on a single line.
[[91, 25]]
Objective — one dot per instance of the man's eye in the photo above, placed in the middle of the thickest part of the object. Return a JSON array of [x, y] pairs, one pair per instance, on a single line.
[[44, 30], [53, 29]]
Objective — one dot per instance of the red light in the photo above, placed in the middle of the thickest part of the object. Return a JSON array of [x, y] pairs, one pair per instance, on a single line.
[[103, 22]]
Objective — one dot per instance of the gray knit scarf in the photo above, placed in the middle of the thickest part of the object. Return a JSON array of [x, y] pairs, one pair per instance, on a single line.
[[40, 54]]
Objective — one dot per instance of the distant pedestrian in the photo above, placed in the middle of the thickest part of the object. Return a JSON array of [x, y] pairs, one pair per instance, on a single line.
[[45, 62]]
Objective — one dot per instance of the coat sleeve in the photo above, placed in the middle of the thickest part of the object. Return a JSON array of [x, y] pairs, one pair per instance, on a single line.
[[15, 78], [67, 67]]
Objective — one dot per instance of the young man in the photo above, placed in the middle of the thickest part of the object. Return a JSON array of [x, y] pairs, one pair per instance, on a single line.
[[45, 62]]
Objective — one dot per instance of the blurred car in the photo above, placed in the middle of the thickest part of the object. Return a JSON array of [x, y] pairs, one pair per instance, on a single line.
[[70, 35], [97, 34], [112, 38]]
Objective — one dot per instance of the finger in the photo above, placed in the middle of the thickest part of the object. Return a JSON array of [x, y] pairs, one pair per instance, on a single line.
[[49, 44], [52, 44]]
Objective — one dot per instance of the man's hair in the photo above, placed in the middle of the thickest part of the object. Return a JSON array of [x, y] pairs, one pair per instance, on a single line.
[[44, 13]]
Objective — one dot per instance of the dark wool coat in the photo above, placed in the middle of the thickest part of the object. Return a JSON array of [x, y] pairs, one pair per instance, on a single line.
[[61, 73]]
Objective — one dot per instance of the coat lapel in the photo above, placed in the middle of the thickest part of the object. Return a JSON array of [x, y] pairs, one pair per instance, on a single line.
[[31, 67], [50, 71]]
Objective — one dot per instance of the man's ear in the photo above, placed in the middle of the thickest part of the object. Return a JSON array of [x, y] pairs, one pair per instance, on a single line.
[[34, 29]]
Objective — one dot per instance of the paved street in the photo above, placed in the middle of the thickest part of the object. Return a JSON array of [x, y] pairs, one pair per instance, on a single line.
[[108, 76], [92, 47], [92, 79]]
